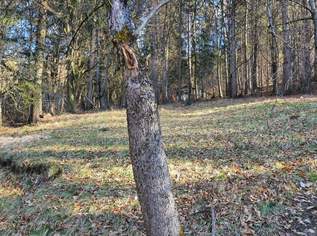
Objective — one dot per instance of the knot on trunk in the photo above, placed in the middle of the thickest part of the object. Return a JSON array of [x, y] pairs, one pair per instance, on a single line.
[[129, 57]]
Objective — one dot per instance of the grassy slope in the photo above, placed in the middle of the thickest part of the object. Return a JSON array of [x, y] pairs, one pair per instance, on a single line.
[[251, 161]]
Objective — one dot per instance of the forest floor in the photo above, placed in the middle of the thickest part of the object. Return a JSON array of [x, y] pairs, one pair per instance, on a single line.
[[251, 161]]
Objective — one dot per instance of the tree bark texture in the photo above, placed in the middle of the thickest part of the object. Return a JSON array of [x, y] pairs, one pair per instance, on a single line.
[[148, 157]]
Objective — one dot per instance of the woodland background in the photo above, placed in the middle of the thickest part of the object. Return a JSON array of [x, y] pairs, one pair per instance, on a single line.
[[58, 56]]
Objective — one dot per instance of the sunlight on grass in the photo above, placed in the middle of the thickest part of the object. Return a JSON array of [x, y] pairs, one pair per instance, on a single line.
[[245, 158], [10, 192]]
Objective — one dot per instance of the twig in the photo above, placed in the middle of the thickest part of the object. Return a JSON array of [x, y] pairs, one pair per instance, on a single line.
[[146, 19], [82, 23]]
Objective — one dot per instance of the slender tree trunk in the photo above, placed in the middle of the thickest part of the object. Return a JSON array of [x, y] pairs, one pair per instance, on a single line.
[[189, 59], [255, 47], [180, 49], [232, 49], [306, 65], [274, 49], [313, 8], [89, 104], [166, 74], [155, 66], [245, 51], [287, 51], [103, 90], [70, 94], [148, 157], [219, 41], [1, 110], [225, 50], [101, 76], [194, 55]]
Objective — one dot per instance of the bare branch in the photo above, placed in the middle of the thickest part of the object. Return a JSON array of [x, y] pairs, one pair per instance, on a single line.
[[90, 14], [146, 19], [297, 20]]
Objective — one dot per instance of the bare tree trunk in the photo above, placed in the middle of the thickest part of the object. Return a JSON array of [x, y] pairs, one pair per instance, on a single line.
[[194, 55], [232, 58], [166, 74], [36, 107], [101, 75], [287, 51], [103, 90], [255, 47], [92, 72], [180, 40], [274, 50], [189, 59], [245, 52], [219, 72], [306, 65], [313, 8], [225, 49], [155, 67], [146, 147]]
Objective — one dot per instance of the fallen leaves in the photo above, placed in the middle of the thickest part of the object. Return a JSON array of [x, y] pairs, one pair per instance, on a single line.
[[254, 165]]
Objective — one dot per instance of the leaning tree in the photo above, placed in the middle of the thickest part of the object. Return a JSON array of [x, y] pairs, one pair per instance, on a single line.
[[148, 157]]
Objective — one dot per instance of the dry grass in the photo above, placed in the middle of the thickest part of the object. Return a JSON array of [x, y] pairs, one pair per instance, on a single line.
[[249, 159]]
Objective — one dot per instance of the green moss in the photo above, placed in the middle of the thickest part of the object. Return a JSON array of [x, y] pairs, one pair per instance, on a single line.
[[124, 36]]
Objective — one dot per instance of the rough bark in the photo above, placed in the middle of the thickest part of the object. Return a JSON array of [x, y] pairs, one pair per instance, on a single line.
[[148, 157]]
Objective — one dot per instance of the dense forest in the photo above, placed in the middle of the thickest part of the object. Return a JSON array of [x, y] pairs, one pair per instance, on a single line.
[[60, 56]]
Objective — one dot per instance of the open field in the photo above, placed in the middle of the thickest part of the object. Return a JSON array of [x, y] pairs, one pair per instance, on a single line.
[[252, 161]]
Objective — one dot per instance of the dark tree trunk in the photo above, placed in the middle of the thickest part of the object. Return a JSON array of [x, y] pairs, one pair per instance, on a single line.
[[274, 49], [232, 57], [146, 148], [287, 50], [36, 107], [89, 104], [103, 90], [313, 8], [255, 47], [180, 43]]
